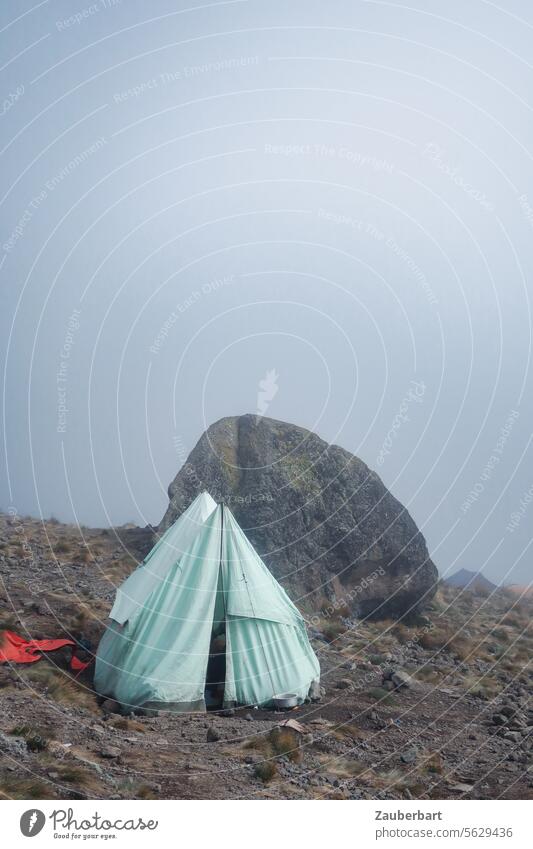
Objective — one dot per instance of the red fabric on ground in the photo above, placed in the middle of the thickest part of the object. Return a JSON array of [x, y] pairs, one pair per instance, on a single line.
[[16, 649], [79, 665]]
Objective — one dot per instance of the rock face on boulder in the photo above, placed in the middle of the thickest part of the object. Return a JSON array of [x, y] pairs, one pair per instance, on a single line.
[[325, 524]]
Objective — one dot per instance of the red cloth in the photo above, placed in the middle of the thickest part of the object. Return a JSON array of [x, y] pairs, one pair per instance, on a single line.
[[78, 665], [16, 649]]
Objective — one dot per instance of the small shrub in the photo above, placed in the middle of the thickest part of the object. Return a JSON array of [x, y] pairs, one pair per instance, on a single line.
[[433, 763], [261, 744], [8, 622], [36, 740], [20, 730], [285, 742], [349, 732], [380, 695], [124, 724], [144, 792], [435, 639], [402, 633], [332, 631], [266, 770], [26, 788]]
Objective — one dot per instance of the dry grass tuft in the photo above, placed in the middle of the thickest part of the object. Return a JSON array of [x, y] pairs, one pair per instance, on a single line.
[[60, 686], [266, 770], [37, 739], [25, 788], [285, 742], [124, 724], [381, 695], [278, 743]]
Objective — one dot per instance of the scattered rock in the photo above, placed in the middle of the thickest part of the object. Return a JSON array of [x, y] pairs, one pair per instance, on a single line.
[[316, 692], [13, 746], [461, 788], [295, 725], [409, 757], [399, 678], [110, 752], [514, 736], [212, 735], [110, 706]]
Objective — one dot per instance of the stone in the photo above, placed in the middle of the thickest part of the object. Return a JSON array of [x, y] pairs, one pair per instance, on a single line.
[[400, 678], [110, 752], [294, 725], [110, 706], [212, 735], [344, 684], [13, 746], [514, 736], [409, 757], [368, 545]]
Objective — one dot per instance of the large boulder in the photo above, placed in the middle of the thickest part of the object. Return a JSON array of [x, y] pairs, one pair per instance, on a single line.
[[325, 524]]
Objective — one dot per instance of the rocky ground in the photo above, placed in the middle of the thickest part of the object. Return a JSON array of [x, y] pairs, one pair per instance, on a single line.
[[440, 709]]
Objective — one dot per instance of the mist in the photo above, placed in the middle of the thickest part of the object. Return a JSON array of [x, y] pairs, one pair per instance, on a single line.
[[195, 197]]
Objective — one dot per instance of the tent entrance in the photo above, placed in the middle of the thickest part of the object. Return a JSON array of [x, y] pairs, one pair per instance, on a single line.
[[215, 678]]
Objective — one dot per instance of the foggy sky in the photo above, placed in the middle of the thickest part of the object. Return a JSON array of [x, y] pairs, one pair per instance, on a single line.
[[195, 195]]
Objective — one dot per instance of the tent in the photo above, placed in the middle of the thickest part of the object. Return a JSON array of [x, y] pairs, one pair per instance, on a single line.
[[217, 618], [140, 584]]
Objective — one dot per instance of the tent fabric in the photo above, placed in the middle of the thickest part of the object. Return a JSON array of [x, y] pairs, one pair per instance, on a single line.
[[159, 657], [266, 659], [161, 653], [252, 590], [163, 556]]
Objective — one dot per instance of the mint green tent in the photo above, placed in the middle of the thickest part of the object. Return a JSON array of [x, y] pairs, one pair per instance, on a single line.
[[168, 550], [218, 592]]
